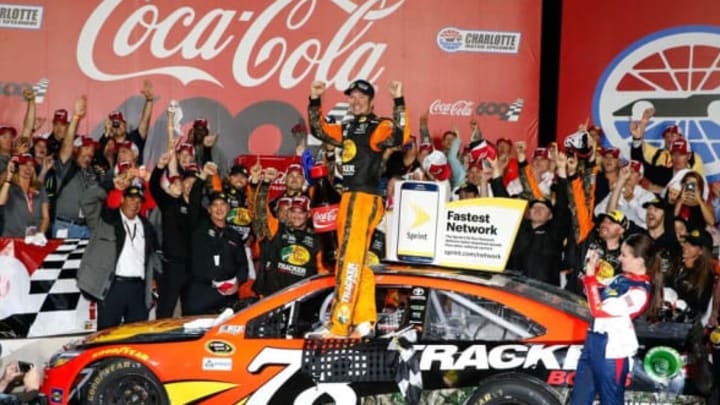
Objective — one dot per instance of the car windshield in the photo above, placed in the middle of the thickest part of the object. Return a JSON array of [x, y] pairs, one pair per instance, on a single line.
[[550, 295]]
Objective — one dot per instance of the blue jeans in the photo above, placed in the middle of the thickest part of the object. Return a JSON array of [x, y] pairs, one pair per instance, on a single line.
[[74, 230]]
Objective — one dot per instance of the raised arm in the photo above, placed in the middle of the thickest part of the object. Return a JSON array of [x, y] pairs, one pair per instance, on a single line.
[[170, 131], [617, 191], [399, 133], [161, 197], [319, 128], [424, 130], [144, 124], [7, 183], [29, 121], [66, 148]]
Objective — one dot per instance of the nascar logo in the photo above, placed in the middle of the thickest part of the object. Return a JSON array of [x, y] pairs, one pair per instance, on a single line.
[[676, 72]]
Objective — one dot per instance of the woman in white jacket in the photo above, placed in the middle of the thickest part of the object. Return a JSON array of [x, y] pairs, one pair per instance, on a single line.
[[611, 341]]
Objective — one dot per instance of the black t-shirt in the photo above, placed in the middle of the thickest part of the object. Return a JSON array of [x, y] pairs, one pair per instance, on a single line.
[[395, 166]]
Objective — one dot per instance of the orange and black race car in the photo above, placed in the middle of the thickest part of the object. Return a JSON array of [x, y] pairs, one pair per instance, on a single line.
[[482, 338]]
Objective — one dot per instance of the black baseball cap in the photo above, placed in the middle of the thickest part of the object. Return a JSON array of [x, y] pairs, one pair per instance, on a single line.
[[657, 202], [134, 191], [362, 86], [217, 195], [239, 169], [468, 188], [542, 201], [699, 237]]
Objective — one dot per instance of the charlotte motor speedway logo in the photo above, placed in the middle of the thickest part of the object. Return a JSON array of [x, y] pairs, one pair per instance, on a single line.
[[677, 72]]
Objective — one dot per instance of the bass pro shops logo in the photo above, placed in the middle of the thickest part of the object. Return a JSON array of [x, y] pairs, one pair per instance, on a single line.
[[676, 72]]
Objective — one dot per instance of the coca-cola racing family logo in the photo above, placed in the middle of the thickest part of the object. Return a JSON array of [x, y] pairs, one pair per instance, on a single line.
[[245, 32], [466, 108]]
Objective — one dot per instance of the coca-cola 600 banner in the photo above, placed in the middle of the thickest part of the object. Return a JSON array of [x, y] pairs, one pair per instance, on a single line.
[[247, 65], [623, 57]]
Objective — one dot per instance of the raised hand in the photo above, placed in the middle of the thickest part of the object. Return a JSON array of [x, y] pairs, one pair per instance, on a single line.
[[317, 88], [648, 114], [271, 174], [396, 88], [47, 163], [147, 90], [561, 164], [28, 94], [625, 173], [209, 140], [473, 123], [572, 165], [80, 106], [11, 169], [164, 159]]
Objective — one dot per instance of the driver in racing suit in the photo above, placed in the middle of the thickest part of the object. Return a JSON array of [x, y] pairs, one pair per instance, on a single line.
[[611, 341], [363, 141]]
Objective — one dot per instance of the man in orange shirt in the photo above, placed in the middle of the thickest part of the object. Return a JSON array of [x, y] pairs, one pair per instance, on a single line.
[[363, 141]]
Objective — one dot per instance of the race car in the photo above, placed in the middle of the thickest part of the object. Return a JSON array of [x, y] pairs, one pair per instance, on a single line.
[[484, 338]]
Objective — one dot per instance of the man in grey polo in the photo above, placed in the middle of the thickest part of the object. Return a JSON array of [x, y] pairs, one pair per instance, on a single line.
[[74, 175]]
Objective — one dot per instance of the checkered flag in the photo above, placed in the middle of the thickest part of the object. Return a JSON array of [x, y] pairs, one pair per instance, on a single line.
[[513, 113], [41, 89], [408, 376], [52, 304]]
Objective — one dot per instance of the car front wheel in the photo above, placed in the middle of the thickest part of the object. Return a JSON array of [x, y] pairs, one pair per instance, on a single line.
[[123, 381], [513, 389]]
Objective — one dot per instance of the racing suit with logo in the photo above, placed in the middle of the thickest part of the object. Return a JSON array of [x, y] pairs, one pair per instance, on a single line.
[[363, 140], [611, 341], [239, 218], [292, 256]]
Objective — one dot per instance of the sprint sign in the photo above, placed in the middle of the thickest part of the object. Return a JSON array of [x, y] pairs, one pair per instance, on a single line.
[[469, 234]]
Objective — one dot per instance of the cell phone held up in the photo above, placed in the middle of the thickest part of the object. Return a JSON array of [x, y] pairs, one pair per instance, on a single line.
[[690, 187], [24, 366]]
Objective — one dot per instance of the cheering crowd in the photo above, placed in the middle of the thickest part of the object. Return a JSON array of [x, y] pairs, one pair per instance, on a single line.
[[203, 233]]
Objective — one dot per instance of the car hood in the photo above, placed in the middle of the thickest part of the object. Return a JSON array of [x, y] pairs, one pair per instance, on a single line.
[[164, 330]]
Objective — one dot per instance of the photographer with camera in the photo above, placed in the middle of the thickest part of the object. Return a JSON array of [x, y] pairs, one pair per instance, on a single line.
[[690, 201], [30, 380]]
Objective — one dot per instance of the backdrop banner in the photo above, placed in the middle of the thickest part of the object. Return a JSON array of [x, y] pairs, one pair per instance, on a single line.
[[247, 66], [623, 57]]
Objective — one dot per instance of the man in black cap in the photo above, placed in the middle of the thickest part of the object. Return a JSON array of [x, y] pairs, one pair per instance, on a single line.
[[236, 188], [467, 191], [538, 247], [118, 266], [660, 228], [240, 217], [363, 140], [218, 260]]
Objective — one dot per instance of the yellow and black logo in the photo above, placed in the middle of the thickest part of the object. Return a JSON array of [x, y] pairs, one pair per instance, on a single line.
[[349, 150]]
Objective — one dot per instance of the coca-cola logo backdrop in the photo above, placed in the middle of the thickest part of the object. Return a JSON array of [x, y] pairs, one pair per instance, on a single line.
[[247, 66]]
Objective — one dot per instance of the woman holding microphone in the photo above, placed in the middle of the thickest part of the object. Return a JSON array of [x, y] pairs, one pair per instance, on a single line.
[[611, 341]]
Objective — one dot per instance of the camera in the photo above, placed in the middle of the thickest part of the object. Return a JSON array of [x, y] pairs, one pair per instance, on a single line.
[[116, 123], [24, 366], [690, 186]]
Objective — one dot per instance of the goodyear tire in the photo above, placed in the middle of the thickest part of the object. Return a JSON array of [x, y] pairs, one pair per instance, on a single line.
[[123, 381], [513, 389]]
